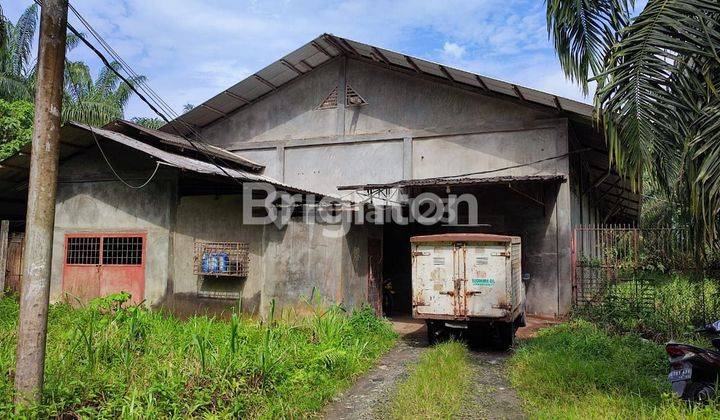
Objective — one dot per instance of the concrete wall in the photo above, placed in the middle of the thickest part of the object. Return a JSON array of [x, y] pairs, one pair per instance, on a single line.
[[285, 264], [90, 199], [412, 127]]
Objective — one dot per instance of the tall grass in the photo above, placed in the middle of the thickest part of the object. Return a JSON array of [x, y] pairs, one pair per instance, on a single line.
[[437, 387], [109, 361], [581, 371], [677, 306]]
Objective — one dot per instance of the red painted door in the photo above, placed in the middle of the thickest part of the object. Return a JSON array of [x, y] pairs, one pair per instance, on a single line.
[[102, 264]]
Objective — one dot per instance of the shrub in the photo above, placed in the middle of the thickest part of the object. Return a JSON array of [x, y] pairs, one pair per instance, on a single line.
[[114, 360], [579, 370]]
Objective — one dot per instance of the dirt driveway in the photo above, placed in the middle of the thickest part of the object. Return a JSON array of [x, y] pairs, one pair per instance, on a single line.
[[492, 396]]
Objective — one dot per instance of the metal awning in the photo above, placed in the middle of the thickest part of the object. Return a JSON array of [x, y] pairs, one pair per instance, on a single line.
[[77, 138], [327, 47], [181, 144], [449, 182]]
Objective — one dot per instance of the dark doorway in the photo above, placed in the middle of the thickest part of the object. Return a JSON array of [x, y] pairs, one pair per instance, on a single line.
[[397, 271]]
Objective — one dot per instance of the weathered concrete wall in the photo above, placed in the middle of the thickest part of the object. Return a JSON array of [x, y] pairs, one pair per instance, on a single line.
[[290, 113], [410, 128], [91, 199], [413, 128], [464, 153], [405, 103], [285, 264], [322, 168], [396, 104]]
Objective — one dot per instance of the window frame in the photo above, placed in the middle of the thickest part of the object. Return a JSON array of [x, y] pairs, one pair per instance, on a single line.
[[102, 236]]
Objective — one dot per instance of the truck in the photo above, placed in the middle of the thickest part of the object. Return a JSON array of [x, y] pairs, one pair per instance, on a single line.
[[471, 282]]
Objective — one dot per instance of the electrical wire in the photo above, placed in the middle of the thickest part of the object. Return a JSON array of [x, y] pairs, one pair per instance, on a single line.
[[142, 85], [158, 102], [521, 165], [112, 169]]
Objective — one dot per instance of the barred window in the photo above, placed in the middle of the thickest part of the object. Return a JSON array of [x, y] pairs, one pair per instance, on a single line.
[[122, 250], [83, 251]]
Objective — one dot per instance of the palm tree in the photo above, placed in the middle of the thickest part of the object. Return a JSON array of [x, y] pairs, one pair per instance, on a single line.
[[657, 97], [149, 122], [94, 102], [16, 68]]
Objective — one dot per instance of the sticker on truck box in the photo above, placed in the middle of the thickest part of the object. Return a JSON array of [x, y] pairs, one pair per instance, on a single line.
[[483, 282]]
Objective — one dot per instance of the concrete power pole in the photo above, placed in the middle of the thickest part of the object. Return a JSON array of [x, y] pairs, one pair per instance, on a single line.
[[35, 290]]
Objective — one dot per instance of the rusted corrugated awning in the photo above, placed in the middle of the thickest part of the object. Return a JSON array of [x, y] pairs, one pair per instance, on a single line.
[[137, 131], [442, 182], [77, 138], [187, 163], [465, 237]]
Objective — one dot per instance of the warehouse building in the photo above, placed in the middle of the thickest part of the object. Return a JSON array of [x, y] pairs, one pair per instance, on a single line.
[[150, 212]]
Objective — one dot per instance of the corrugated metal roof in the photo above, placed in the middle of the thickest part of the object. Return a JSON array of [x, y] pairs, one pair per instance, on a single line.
[[181, 143], [184, 162], [327, 46], [465, 237], [466, 181], [15, 169]]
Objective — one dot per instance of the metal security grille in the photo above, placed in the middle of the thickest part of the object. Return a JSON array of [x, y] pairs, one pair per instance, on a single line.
[[83, 251], [123, 250], [330, 101], [221, 259], [352, 98]]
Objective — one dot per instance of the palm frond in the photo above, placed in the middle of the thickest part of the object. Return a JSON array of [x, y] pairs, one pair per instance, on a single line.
[[3, 30], [15, 88], [641, 113], [123, 93], [91, 112], [705, 190], [23, 34], [78, 80], [107, 80], [583, 32]]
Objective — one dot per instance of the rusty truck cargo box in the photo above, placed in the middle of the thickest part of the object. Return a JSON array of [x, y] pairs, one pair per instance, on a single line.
[[467, 277]]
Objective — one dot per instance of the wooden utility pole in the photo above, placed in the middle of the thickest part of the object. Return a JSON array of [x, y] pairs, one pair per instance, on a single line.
[[40, 221], [4, 235]]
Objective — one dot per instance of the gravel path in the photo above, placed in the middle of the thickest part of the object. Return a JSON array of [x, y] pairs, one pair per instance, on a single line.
[[492, 397], [365, 399]]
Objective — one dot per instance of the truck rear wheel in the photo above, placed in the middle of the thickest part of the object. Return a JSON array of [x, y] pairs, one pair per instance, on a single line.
[[435, 331], [504, 335], [431, 332]]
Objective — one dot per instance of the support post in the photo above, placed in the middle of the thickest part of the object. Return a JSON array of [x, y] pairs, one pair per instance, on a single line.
[[341, 97], [4, 236], [35, 288]]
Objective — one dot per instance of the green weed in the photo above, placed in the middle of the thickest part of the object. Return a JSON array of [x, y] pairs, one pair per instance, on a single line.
[[437, 387], [581, 371], [108, 360], [678, 305]]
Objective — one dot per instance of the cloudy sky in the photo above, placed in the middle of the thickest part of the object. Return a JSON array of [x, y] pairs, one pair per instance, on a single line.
[[192, 49]]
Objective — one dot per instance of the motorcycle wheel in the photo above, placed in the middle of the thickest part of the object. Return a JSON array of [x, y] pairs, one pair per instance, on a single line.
[[700, 392]]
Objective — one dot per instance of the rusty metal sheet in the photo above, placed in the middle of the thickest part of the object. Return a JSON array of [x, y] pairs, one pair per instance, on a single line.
[[184, 162], [127, 127], [459, 181], [465, 237], [477, 277]]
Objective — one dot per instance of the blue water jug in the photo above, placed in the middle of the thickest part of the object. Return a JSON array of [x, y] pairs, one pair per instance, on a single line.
[[212, 263], [223, 261], [205, 263]]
